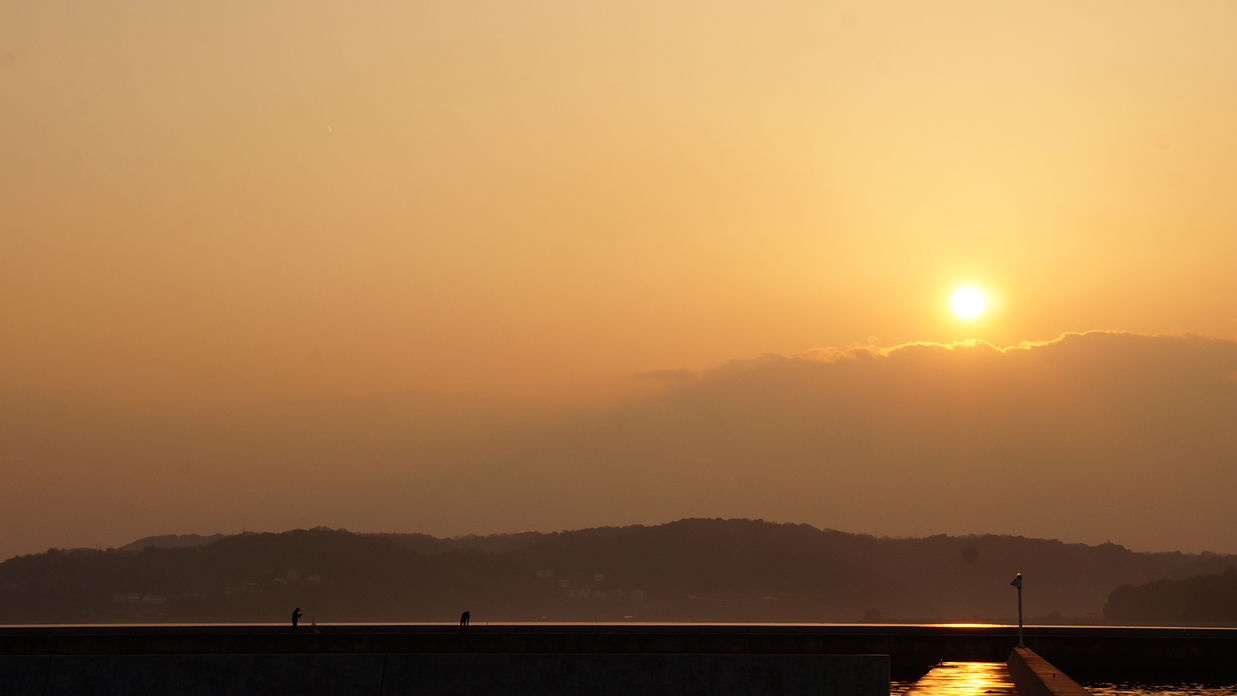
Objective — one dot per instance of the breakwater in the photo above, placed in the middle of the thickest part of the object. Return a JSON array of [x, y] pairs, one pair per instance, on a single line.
[[1085, 653], [1035, 676], [523, 674]]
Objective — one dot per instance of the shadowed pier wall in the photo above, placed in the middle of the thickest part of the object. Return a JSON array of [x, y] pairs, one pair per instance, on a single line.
[[1088, 654], [528, 674]]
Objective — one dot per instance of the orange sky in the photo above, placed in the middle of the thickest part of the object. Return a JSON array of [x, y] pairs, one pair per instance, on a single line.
[[240, 203]]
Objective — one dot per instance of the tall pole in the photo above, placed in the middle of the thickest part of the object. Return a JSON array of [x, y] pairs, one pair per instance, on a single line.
[[1021, 643], [1018, 583]]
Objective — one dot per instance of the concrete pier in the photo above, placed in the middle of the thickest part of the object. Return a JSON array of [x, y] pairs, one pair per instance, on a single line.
[[446, 675], [1085, 653], [28, 654], [1035, 676]]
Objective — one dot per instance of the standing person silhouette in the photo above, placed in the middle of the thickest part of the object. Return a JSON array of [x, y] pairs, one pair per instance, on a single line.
[[464, 619], [296, 616]]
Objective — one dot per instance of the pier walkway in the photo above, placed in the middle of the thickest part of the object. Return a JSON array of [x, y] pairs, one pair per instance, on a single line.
[[965, 679]]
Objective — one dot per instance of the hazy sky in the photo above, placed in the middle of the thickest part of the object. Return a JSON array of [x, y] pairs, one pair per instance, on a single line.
[[521, 215]]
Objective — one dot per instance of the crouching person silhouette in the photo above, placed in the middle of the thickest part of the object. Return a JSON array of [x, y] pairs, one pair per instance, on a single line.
[[464, 619]]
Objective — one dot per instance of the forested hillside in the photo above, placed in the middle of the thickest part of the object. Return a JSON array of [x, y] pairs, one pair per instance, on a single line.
[[1200, 600], [691, 570]]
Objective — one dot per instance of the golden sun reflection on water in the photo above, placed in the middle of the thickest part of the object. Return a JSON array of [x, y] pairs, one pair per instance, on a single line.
[[965, 679]]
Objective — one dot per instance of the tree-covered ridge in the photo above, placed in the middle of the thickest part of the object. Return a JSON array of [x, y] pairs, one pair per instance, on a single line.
[[690, 570], [1204, 599]]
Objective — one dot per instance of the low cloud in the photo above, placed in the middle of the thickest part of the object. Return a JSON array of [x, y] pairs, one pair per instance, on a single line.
[[1089, 437], [667, 376]]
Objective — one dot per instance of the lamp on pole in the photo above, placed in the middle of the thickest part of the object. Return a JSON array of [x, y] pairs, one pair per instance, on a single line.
[[1018, 583]]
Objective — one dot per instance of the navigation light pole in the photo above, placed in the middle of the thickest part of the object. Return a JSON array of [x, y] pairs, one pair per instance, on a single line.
[[1018, 583]]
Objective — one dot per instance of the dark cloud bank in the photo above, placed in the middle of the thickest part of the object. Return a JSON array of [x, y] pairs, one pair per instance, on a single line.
[[1090, 437]]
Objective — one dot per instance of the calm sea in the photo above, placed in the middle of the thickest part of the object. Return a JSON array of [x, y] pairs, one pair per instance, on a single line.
[[1127, 689], [1137, 689]]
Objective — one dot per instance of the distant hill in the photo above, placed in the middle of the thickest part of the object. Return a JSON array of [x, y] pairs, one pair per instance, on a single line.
[[690, 570], [1206, 599], [171, 541], [261, 577], [494, 543]]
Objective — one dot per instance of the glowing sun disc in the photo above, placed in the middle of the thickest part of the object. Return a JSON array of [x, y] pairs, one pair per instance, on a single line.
[[968, 302]]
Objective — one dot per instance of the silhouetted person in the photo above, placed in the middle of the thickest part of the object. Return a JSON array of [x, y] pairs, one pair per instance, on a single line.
[[464, 619], [296, 616]]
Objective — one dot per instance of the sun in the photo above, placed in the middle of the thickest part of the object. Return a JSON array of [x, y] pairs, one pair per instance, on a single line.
[[968, 302]]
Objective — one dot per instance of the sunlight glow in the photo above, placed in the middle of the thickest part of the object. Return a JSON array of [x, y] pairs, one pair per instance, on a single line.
[[968, 302]]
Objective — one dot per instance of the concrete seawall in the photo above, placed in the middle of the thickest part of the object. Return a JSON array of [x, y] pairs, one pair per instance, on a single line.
[[444, 675], [1034, 676], [1088, 654]]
